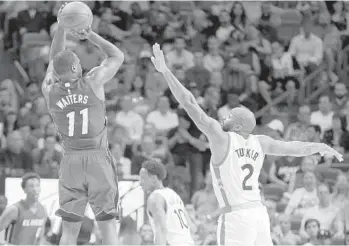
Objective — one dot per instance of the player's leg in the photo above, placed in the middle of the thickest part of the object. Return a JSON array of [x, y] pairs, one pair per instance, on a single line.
[[70, 232], [263, 229], [103, 196], [72, 198], [237, 228]]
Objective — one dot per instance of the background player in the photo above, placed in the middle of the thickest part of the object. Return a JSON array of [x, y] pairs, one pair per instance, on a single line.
[[237, 158], [76, 104], [166, 211], [25, 221]]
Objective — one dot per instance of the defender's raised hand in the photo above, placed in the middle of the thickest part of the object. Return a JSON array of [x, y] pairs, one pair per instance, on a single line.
[[158, 59], [327, 150]]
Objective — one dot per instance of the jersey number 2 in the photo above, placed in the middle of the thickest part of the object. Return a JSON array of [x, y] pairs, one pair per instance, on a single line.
[[250, 169], [71, 122], [182, 218]]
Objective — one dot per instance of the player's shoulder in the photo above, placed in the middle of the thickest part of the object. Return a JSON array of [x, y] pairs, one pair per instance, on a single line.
[[12, 211], [155, 200]]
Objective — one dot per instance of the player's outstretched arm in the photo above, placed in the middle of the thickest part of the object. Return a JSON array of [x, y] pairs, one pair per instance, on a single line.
[[8, 216], [58, 45], [107, 70], [156, 206], [209, 126], [271, 146]]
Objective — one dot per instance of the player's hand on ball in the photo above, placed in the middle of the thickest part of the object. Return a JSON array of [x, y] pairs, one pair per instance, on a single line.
[[81, 34], [327, 150], [158, 59], [60, 11]]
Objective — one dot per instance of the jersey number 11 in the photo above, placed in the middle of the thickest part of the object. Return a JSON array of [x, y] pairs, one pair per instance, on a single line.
[[71, 122]]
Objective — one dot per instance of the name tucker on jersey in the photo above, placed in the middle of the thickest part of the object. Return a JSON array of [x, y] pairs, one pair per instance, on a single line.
[[72, 99], [249, 153]]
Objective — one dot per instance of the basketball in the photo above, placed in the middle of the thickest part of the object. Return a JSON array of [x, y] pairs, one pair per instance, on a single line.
[[76, 15]]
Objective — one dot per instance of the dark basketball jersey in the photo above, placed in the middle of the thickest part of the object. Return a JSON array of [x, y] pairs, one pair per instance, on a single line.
[[79, 115], [26, 230]]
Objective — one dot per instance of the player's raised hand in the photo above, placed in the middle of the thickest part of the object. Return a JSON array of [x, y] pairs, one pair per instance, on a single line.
[[60, 11], [158, 59], [327, 150]]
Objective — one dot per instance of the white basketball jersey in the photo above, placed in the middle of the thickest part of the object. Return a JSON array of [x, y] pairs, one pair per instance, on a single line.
[[235, 179], [178, 231]]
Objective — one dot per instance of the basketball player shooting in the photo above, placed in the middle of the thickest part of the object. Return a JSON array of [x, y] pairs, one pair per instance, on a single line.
[[76, 104], [237, 158], [165, 209], [25, 220]]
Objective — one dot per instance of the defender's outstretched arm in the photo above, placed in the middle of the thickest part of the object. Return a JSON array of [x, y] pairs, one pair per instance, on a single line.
[[206, 124], [271, 146]]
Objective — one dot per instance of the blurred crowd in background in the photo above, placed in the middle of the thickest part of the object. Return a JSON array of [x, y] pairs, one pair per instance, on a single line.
[[286, 61]]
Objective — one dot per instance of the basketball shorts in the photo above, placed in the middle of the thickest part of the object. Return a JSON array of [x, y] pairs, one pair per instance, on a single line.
[[88, 176], [245, 227]]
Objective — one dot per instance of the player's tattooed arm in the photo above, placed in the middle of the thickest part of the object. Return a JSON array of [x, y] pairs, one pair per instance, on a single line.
[[59, 40], [157, 209], [115, 57], [8, 216], [271, 146]]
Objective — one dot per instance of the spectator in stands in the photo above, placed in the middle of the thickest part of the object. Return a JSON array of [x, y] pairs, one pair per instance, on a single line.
[[268, 21], [163, 118], [251, 63], [180, 58], [312, 228], [30, 142], [323, 117], [308, 164], [31, 19], [46, 161], [283, 169], [340, 97], [307, 48], [314, 133], [298, 131], [345, 116], [14, 159], [233, 102], [9, 85], [281, 77], [225, 27], [213, 61], [11, 122], [150, 148], [340, 194], [186, 146], [325, 212], [146, 234], [198, 73], [303, 199], [342, 224], [5, 101], [340, 19], [205, 201], [285, 236], [127, 118], [337, 137]]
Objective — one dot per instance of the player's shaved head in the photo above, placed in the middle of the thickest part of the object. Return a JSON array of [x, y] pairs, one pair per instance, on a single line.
[[240, 120], [156, 168], [65, 62]]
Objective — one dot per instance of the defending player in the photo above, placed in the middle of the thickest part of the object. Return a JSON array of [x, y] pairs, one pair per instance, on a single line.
[[25, 220], [76, 104], [237, 158], [166, 211]]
